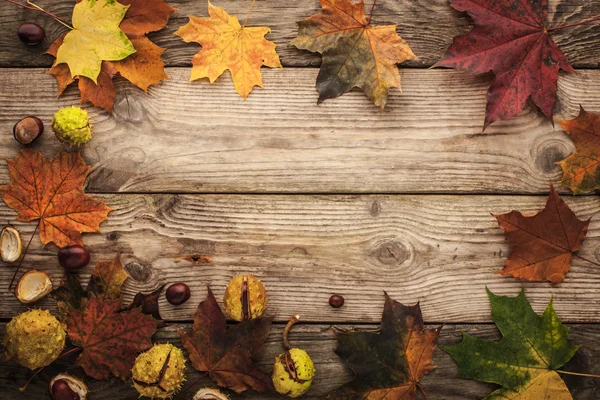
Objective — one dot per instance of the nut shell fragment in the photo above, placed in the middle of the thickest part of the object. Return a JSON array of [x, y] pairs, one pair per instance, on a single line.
[[32, 286], [76, 385], [11, 245], [210, 394]]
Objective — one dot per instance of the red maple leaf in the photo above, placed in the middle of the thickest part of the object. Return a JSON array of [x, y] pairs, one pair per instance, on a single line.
[[110, 338], [511, 39]]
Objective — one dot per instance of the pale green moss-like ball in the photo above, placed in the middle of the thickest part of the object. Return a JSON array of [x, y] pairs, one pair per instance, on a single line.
[[159, 372], [34, 339], [293, 383], [72, 126]]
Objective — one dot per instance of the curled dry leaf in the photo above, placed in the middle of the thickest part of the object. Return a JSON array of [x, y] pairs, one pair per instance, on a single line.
[[228, 45], [542, 245], [355, 53], [388, 364], [51, 191], [107, 279]]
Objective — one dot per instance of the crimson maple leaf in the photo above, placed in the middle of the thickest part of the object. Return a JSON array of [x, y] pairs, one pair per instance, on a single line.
[[226, 353], [512, 39]]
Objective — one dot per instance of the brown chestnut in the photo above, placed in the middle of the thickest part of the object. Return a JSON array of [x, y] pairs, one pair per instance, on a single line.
[[62, 391], [73, 257], [28, 129], [336, 301], [178, 293], [30, 33]]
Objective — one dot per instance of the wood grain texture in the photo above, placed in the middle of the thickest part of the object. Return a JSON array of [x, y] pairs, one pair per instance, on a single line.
[[319, 342], [197, 137], [428, 26], [440, 250]]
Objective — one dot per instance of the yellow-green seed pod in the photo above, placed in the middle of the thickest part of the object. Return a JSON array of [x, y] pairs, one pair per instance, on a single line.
[[159, 372], [34, 339], [293, 373], [245, 298], [72, 126]]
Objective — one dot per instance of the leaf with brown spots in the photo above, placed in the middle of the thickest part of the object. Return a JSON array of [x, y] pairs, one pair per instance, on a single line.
[[542, 245], [581, 170], [107, 279], [225, 354], [388, 364], [355, 53], [51, 191], [110, 338]]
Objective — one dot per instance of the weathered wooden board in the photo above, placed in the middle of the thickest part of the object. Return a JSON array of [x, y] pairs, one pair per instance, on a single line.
[[196, 137], [319, 342], [428, 26], [439, 250]]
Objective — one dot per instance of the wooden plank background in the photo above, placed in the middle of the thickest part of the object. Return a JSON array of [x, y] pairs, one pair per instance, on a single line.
[[315, 200]]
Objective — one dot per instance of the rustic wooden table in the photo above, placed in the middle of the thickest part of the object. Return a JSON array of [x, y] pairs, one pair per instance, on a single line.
[[314, 200]]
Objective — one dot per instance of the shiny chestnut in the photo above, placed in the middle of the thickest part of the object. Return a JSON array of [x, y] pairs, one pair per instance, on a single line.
[[178, 293]]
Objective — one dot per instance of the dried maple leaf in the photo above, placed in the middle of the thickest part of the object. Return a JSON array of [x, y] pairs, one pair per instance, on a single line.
[[95, 37], [388, 364], [355, 53], [511, 39], [228, 45], [148, 302], [51, 191], [107, 279], [542, 245], [110, 338], [525, 360], [142, 68], [580, 169], [226, 353]]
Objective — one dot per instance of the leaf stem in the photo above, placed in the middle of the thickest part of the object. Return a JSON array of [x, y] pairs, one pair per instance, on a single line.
[[585, 21], [24, 253], [35, 7], [249, 11], [586, 260], [371, 13], [73, 350], [577, 374], [422, 391]]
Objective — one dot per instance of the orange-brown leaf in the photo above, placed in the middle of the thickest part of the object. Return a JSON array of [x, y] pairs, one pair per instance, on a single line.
[[388, 364], [60, 71], [110, 338], [145, 67], [542, 245], [107, 279], [51, 191], [144, 16], [355, 53], [581, 171], [101, 94]]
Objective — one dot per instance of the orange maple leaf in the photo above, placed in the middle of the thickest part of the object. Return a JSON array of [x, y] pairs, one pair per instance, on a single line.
[[228, 45], [542, 245], [355, 53], [142, 68], [51, 191], [581, 169]]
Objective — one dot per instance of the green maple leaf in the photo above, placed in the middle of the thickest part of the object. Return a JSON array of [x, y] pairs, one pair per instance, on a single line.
[[525, 360]]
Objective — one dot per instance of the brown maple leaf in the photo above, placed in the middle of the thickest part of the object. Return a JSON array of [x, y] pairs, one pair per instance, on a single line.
[[226, 353], [388, 364], [355, 53], [581, 172], [51, 191], [107, 279], [542, 245], [142, 68], [109, 337]]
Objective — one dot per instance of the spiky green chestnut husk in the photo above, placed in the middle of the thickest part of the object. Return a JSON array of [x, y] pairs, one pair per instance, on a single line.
[[34, 339], [289, 383], [255, 293], [159, 372], [72, 126]]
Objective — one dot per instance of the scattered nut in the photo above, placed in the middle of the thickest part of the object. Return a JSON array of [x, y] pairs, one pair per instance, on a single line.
[[74, 257], [30, 33], [336, 301], [33, 286], [178, 293], [67, 387], [28, 129], [11, 245]]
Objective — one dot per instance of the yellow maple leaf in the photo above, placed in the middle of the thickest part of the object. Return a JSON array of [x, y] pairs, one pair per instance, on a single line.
[[228, 45], [95, 37]]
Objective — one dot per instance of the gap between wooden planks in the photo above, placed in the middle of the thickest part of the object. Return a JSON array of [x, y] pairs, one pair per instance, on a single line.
[[201, 138], [440, 250], [428, 26]]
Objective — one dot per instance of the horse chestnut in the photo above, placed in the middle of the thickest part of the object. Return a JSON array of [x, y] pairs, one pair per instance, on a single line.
[[30, 33], [178, 293], [336, 301], [73, 257], [28, 129]]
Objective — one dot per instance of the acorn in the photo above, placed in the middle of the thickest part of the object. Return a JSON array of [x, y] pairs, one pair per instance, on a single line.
[[245, 298], [11, 246], [33, 286], [34, 339], [293, 370], [67, 387], [159, 372], [28, 129]]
